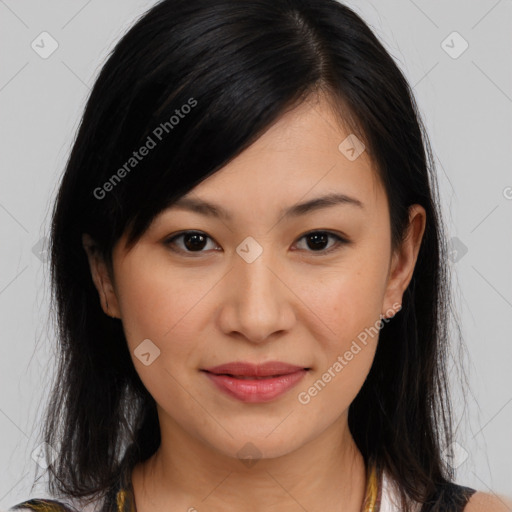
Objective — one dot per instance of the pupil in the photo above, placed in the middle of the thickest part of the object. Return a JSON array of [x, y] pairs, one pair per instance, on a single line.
[[197, 241], [317, 239], [195, 237]]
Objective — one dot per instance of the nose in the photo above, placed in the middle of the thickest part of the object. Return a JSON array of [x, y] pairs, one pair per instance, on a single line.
[[257, 302]]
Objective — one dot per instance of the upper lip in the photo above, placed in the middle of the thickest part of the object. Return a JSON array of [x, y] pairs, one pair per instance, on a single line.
[[255, 370]]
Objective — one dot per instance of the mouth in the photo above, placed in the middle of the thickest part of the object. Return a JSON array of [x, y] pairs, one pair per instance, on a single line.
[[247, 382], [251, 377], [244, 370]]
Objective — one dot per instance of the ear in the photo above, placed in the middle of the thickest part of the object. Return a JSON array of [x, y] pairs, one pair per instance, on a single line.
[[403, 260], [101, 277]]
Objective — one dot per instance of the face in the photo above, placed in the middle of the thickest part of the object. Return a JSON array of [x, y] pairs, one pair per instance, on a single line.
[[253, 284]]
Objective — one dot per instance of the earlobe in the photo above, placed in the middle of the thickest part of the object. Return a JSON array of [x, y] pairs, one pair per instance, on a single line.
[[101, 278]]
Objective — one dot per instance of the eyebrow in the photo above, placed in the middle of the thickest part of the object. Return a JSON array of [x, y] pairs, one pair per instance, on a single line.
[[206, 208]]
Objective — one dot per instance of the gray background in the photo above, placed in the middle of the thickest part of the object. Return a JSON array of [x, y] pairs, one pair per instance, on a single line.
[[466, 103]]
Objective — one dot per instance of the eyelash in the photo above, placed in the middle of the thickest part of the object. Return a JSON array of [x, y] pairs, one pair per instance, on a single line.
[[340, 241]]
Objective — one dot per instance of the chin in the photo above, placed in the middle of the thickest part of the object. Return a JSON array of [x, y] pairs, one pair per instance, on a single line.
[[248, 448]]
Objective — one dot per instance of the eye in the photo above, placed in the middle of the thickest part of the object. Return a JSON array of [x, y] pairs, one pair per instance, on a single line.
[[193, 241], [197, 242], [316, 240]]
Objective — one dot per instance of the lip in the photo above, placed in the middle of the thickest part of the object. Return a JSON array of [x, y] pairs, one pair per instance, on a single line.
[[243, 369], [253, 383]]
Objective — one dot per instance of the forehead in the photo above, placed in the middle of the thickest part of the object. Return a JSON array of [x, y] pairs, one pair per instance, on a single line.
[[300, 158], [305, 154]]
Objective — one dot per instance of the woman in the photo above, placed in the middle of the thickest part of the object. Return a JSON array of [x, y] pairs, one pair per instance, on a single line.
[[249, 272]]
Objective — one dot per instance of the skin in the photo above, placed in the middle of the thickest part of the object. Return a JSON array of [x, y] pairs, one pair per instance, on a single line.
[[487, 502], [294, 303]]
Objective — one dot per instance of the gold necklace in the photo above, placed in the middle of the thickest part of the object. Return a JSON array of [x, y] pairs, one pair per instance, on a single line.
[[371, 502]]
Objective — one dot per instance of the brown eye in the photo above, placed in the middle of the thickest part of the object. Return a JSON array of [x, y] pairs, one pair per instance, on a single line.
[[197, 242], [317, 241], [192, 241]]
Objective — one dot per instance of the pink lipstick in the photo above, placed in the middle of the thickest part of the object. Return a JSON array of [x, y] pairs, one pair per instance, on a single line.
[[255, 383]]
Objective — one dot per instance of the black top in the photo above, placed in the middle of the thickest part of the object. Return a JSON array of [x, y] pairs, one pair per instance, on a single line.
[[451, 498]]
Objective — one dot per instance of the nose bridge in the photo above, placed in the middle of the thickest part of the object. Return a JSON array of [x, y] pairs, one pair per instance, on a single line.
[[256, 279], [251, 262], [258, 304]]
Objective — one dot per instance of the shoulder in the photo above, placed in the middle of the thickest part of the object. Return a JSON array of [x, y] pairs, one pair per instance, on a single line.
[[488, 502]]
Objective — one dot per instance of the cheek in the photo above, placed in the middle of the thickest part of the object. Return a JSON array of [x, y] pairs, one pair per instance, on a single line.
[[159, 307], [347, 298], [349, 305], [154, 304]]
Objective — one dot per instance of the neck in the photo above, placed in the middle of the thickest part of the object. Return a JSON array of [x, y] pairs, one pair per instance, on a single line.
[[324, 474]]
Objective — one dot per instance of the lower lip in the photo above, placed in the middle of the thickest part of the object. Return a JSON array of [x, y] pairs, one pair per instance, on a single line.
[[257, 390]]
